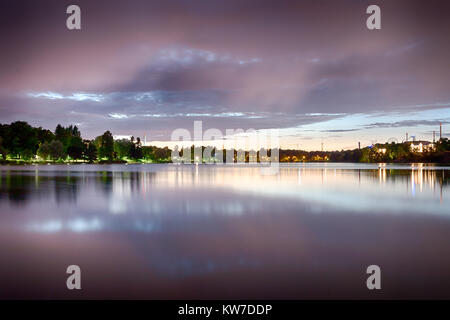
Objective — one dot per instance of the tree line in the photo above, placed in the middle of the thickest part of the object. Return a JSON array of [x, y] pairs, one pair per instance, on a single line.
[[382, 152], [21, 141]]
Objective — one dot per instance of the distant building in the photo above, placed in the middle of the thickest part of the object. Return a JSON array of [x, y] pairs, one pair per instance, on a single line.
[[421, 146], [379, 148]]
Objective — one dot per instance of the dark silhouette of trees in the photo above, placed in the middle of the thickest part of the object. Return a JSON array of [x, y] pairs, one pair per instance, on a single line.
[[443, 145], [19, 140], [148, 153], [90, 151], [106, 149], [135, 150], [2, 149], [162, 153], [122, 148], [57, 150], [63, 135], [44, 150], [128, 148], [44, 135], [76, 148], [70, 138], [346, 156]]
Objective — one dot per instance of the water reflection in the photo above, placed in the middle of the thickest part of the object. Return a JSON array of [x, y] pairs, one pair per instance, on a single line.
[[21, 186], [167, 230]]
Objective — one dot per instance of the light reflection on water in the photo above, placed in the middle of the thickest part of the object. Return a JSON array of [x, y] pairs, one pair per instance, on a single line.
[[181, 227]]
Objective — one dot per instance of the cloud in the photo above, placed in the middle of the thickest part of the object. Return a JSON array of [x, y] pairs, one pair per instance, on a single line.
[[77, 96], [237, 64], [340, 130], [406, 123], [118, 116]]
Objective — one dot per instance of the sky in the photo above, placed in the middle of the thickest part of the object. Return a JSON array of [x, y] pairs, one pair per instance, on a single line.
[[310, 69]]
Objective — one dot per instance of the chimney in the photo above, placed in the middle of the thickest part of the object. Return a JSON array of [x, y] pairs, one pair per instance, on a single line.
[[440, 131], [359, 145], [434, 136], [407, 137]]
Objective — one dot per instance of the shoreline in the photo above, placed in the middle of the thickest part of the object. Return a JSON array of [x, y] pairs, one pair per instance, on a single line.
[[27, 163]]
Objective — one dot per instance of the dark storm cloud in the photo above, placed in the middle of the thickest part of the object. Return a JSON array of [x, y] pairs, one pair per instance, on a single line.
[[158, 65], [175, 69]]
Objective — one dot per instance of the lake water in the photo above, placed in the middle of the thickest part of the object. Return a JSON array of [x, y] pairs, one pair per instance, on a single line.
[[221, 231]]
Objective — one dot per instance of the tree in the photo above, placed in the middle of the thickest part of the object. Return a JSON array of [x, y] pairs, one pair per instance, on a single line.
[[70, 137], [365, 155], [443, 144], [106, 149], [56, 150], [20, 139], [44, 135], [44, 150], [122, 148], [2, 149], [90, 151], [76, 147], [162, 153], [136, 150], [75, 131], [148, 153], [62, 135], [97, 142]]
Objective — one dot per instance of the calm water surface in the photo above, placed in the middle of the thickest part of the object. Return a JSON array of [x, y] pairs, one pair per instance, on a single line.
[[182, 231]]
